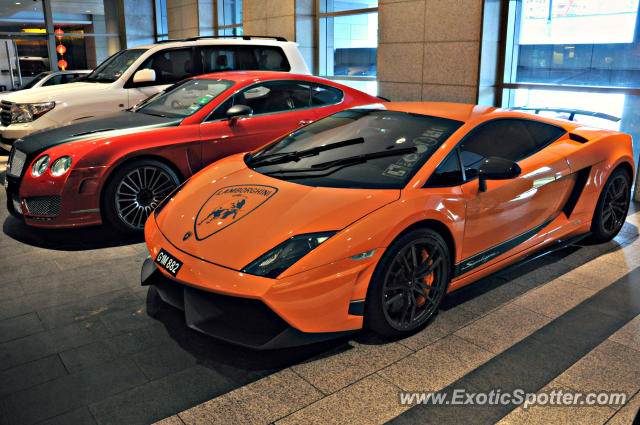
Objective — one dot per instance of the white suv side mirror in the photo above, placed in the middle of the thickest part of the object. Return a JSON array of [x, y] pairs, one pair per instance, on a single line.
[[144, 76]]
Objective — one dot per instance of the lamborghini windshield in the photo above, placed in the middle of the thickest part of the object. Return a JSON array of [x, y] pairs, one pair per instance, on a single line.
[[185, 98], [356, 148]]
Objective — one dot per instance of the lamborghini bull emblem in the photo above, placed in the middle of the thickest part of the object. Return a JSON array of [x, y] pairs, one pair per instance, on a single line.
[[228, 205]]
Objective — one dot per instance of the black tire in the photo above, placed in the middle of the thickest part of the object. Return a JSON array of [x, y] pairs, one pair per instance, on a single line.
[[133, 191], [397, 291], [612, 207], [154, 302]]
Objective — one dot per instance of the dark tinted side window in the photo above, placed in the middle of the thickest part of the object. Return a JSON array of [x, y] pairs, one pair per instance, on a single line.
[[242, 58], [275, 96], [512, 139], [170, 66], [448, 173], [325, 95], [54, 81]]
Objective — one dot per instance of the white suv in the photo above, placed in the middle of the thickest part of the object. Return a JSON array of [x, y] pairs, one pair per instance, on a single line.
[[132, 75]]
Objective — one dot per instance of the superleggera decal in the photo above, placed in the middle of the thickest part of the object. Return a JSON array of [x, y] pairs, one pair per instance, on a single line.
[[228, 205]]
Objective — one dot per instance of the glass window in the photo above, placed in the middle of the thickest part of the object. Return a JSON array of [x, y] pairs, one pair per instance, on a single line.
[[170, 66], [349, 45], [162, 29], [275, 96], [448, 172], [35, 80], [111, 69], [325, 95], [229, 17], [512, 139], [375, 132], [186, 98], [55, 80], [229, 58]]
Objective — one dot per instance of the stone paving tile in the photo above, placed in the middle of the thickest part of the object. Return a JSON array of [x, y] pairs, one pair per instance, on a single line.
[[32, 347], [333, 371], [627, 413], [160, 398], [92, 355], [503, 327], [10, 290], [69, 392], [594, 276], [80, 416], [156, 363], [30, 374], [445, 323], [629, 334], [608, 367], [370, 400], [262, 401], [20, 326], [543, 415], [171, 420], [555, 298], [436, 366]]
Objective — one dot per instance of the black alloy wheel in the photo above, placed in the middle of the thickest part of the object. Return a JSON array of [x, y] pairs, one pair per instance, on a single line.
[[612, 207], [409, 284]]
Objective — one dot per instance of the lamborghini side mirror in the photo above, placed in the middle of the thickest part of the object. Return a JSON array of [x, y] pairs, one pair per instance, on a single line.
[[494, 168]]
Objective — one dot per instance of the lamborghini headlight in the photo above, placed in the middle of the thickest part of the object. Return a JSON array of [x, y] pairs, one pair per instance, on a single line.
[[283, 256], [40, 166], [60, 166], [27, 112]]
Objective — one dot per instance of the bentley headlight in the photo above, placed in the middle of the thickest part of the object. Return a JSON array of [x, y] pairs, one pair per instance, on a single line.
[[61, 166], [40, 166], [283, 256], [27, 112]]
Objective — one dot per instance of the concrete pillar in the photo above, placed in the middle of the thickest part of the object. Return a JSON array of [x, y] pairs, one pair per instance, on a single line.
[[429, 50], [182, 18], [270, 17]]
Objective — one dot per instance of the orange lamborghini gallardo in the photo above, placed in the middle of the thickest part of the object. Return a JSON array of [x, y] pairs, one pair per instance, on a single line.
[[368, 217]]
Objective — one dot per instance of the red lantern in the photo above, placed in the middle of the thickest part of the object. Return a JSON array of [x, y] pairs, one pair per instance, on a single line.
[[61, 49], [59, 32], [62, 64]]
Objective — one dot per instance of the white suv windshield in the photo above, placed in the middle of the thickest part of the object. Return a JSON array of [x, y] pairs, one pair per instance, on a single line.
[[112, 68], [186, 98]]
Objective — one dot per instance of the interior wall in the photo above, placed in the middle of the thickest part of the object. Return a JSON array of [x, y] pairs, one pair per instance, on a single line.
[[429, 49]]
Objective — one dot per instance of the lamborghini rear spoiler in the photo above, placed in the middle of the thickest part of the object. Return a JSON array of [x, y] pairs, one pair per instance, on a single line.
[[572, 112]]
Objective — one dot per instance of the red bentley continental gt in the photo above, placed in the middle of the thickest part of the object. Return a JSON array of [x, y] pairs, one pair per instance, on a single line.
[[116, 169]]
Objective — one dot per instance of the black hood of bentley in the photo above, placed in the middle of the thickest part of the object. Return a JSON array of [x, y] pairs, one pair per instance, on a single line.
[[123, 122]]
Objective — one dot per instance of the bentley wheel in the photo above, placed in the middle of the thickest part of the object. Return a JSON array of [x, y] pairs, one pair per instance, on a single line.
[[134, 191], [408, 284], [612, 207]]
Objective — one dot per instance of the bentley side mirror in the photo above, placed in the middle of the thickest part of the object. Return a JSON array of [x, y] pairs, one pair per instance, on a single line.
[[144, 76], [494, 168], [237, 111]]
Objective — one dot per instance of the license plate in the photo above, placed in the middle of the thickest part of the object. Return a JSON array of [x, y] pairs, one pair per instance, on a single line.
[[168, 262]]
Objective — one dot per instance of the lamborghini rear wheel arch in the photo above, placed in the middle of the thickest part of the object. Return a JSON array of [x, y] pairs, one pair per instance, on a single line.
[[409, 282], [612, 206], [117, 203]]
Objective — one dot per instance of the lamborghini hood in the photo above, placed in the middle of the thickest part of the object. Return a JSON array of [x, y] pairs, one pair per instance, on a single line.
[[229, 214]]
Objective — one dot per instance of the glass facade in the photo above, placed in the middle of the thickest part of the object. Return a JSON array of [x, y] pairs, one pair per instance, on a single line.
[[348, 42], [78, 35], [581, 54]]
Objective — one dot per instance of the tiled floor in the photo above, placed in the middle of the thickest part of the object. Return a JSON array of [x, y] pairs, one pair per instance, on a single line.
[[77, 347]]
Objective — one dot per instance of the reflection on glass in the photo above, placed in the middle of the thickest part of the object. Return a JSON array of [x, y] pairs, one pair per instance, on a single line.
[[186, 98], [349, 45], [229, 12], [329, 6], [578, 42]]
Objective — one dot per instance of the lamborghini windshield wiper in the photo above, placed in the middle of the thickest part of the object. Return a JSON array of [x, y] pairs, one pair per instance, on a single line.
[[282, 157], [341, 163]]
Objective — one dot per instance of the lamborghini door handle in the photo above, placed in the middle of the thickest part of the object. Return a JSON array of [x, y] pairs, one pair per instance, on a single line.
[[305, 122]]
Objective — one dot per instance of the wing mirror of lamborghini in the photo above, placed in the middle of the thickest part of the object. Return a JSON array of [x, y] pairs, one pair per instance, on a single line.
[[238, 111], [494, 168]]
